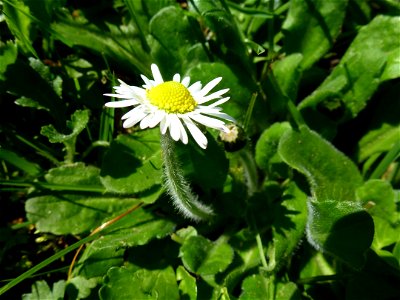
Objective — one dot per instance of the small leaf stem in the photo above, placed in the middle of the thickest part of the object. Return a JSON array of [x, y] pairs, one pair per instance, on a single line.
[[178, 188]]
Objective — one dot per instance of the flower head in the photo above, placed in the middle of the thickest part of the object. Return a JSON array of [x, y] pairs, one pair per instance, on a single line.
[[175, 105]]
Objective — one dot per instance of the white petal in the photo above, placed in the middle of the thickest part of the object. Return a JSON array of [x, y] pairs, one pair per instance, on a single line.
[[134, 120], [177, 77], [146, 81], [219, 102], [198, 136], [209, 86], [186, 81], [220, 115], [122, 103], [158, 116], [213, 96], [175, 127], [207, 121], [195, 87], [146, 121], [133, 112], [165, 124], [183, 135], [156, 74]]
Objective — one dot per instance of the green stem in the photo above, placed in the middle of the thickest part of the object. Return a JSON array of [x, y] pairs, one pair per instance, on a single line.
[[271, 29], [176, 185]]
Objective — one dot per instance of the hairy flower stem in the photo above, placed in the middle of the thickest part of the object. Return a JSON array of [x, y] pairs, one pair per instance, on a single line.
[[178, 188]]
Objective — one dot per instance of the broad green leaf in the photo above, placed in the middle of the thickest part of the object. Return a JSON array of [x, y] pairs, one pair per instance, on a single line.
[[135, 229], [227, 35], [80, 287], [120, 48], [133, 163], [76, 174], [173, 43], [341, 228], [20, 162], [360, 71], [254, 287], [267, 144], [8, 56], [331, 175], [187, 284], [39, 85], [79, 120], [122, 283], [198, 164], [240, 86], [379, 198], [17, 17], [316, 264], [28, 102], [203, 257], [287, 291], [288, 227], [283, 82], [55, 82], [41, 290], [73, 212], [311, 28], [383, 130]]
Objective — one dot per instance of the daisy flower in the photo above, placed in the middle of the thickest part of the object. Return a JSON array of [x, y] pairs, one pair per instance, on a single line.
[[176, 105]]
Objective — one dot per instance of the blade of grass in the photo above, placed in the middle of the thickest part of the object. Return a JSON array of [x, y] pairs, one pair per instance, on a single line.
[[386, 161], [46, 262]]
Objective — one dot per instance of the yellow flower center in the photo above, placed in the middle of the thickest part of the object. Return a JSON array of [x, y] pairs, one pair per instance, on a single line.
[[173, 97]]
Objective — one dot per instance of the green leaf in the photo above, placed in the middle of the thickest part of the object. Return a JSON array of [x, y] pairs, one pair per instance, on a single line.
[[239, 85], [173, 43], [122, 283], [311, 28], [118, 46], [80, 287], [331, 175], [383, 130], [287, 291], [341, 228], [288, 227], [17, 17], [283, 82], [203, 257], [226, 33], [360, 71], [198, 163], [41, 290], [73, 213], [267, 144], [136, 229], [79, 120], [20, 162], [254, 287], [379, 198], [55, 82], [8, 56], [187, 284], [133, 163]]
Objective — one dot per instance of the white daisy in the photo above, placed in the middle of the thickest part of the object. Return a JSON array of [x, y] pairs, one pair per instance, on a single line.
[[175, 105]]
